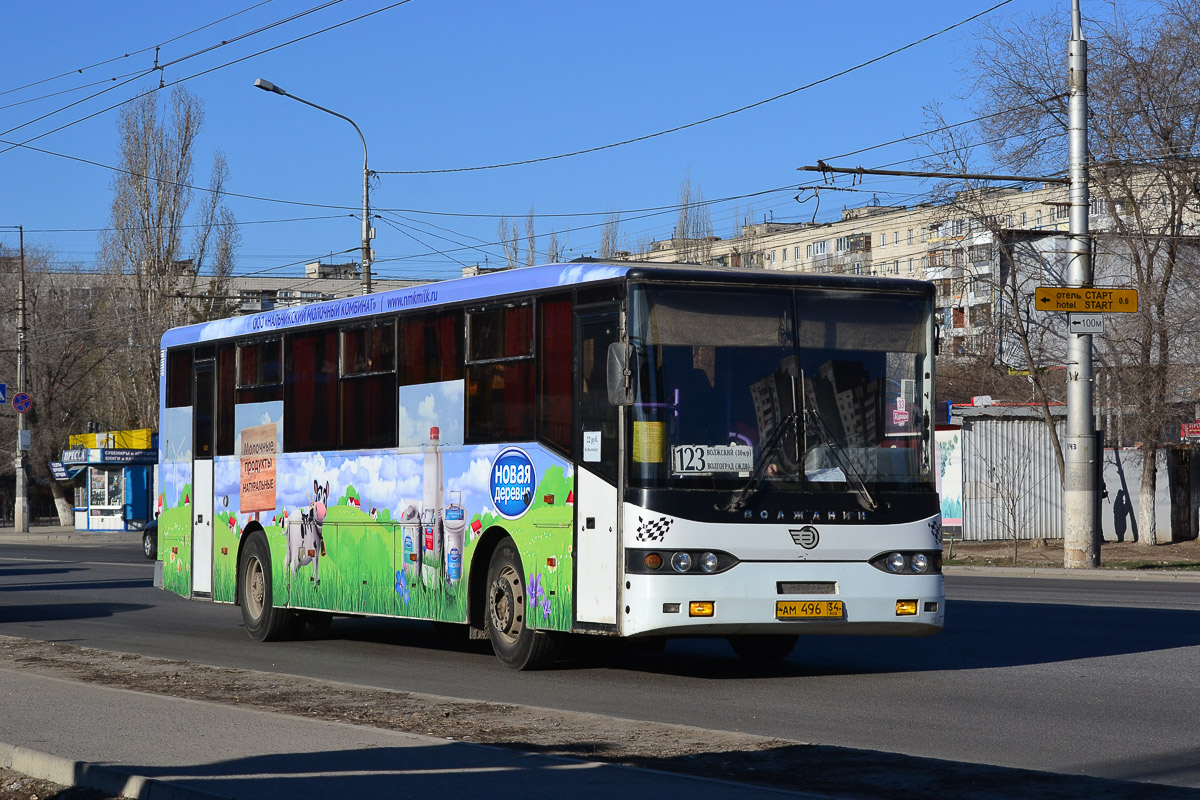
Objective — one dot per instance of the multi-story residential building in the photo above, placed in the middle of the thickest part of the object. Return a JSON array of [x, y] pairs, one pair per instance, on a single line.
[[956, 245]]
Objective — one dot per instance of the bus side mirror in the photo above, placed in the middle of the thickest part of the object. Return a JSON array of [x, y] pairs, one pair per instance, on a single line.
[[622, 374]]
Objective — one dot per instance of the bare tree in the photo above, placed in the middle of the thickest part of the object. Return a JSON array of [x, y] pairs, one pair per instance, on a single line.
[[145, 245], [608, 236], [1144, 133], [693, 232], [509, 241], [530, 240], [75, 334], [554, 248]]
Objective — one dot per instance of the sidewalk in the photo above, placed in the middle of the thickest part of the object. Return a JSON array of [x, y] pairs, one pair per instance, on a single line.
[[58, 534], [154, 746]]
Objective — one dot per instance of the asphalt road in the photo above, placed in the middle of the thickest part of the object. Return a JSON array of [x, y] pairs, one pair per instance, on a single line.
[[1072, 676]]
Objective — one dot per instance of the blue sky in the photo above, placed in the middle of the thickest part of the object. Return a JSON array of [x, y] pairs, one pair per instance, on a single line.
[[443, 85]]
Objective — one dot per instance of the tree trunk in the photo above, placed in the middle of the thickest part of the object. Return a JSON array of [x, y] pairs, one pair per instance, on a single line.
[[1147, 530], [64, 505]]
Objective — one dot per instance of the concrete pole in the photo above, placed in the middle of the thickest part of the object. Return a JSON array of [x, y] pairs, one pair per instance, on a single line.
[[1080, 457], [21, 494]]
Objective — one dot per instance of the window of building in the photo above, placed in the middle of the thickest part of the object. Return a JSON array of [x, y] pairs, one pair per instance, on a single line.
[[843, 244], [784, 251], [896, 237], [500, 374], [910, 266], [883, 240], [796, 254], [910, 236], [1022, 219], [956, 227], [896, 267]]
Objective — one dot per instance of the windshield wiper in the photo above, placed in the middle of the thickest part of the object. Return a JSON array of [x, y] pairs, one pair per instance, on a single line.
[[818, 424], [738, 499]]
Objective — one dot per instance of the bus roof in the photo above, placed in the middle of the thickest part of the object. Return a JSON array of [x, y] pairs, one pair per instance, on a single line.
[[507, 282]]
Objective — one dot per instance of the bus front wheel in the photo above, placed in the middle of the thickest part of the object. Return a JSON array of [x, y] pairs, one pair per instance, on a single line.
[[763, 647], [263, 620], [517, 645]]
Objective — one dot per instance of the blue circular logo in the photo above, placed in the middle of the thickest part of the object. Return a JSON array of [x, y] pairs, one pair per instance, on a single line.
[[512, 482]]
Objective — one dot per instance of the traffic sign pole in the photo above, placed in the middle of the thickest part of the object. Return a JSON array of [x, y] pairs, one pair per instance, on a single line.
[[1080, 458]]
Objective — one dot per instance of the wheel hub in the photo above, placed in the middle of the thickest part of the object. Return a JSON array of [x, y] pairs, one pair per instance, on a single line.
[[504, 605]]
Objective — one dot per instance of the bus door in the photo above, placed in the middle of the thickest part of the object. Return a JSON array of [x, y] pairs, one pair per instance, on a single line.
[[203, 448], [597, 499]]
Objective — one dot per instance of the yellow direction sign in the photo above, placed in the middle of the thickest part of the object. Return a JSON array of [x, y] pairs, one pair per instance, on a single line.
[[1097, 298]]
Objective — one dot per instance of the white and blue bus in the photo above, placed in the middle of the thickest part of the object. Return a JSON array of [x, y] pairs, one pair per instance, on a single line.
[[589, 448]]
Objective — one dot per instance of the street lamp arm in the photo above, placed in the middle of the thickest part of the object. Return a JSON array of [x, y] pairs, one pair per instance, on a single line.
[[267, 86]]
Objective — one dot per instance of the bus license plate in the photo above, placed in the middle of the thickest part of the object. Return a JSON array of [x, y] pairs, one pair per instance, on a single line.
[[809, 609]]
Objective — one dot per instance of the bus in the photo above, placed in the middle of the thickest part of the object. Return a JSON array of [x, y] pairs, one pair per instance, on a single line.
[[619, 449]]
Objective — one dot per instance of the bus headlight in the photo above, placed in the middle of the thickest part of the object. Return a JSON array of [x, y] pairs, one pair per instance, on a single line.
[[909, 563], [681, 561], [709, 562]]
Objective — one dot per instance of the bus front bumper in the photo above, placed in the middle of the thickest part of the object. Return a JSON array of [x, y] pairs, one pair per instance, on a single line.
[[809, 598]]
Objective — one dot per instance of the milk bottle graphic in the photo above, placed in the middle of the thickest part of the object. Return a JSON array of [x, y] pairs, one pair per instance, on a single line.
[[454, 526], [431, 511], [410, 531]]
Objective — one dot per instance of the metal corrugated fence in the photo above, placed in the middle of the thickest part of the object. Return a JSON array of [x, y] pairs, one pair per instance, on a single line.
[[1010, 478]]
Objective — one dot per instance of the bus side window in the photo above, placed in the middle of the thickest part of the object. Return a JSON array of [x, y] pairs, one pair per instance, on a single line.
[[431, 348], [311, 392], [500, 375], [555, 343], [179, 378]]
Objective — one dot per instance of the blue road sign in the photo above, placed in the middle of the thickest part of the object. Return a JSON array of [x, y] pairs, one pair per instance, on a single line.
[[3, 393], [21, 402]]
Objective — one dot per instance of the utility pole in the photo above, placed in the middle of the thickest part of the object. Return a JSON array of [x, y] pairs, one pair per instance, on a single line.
[[21, 498], [1079, 454]]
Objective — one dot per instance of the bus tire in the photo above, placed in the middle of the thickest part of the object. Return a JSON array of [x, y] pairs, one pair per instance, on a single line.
[[264, 622], [763, 647], [517, 645]]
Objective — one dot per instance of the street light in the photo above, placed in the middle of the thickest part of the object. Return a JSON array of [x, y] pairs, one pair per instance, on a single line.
[[267, 86]]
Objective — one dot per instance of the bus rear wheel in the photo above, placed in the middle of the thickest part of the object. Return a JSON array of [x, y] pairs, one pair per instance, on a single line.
[[763, 647], [517, 645], [262, 619]]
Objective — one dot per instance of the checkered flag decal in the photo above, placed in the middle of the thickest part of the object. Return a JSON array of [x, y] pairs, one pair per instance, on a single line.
[[655, 530], [935, 527]]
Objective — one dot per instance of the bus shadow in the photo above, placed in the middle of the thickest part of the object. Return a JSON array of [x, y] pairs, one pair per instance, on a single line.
[[978, 635], [31, 571], [57, 612]]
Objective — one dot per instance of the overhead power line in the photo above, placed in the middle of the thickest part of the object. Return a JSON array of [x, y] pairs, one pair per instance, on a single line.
[[706, 120]]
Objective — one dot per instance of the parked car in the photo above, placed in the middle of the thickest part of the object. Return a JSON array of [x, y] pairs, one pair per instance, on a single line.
[[150, 540]]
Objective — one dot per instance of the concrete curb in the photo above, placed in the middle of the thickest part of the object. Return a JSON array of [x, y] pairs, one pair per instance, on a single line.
[[108, 780], [1075, 574]]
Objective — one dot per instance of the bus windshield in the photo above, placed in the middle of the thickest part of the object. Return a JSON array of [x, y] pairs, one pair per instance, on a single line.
[[802, 390]]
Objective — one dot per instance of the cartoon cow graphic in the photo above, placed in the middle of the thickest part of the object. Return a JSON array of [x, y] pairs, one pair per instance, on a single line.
[[304, 541]]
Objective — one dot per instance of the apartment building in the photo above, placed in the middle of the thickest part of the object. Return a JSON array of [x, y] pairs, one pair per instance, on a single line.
[[953, 244]]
